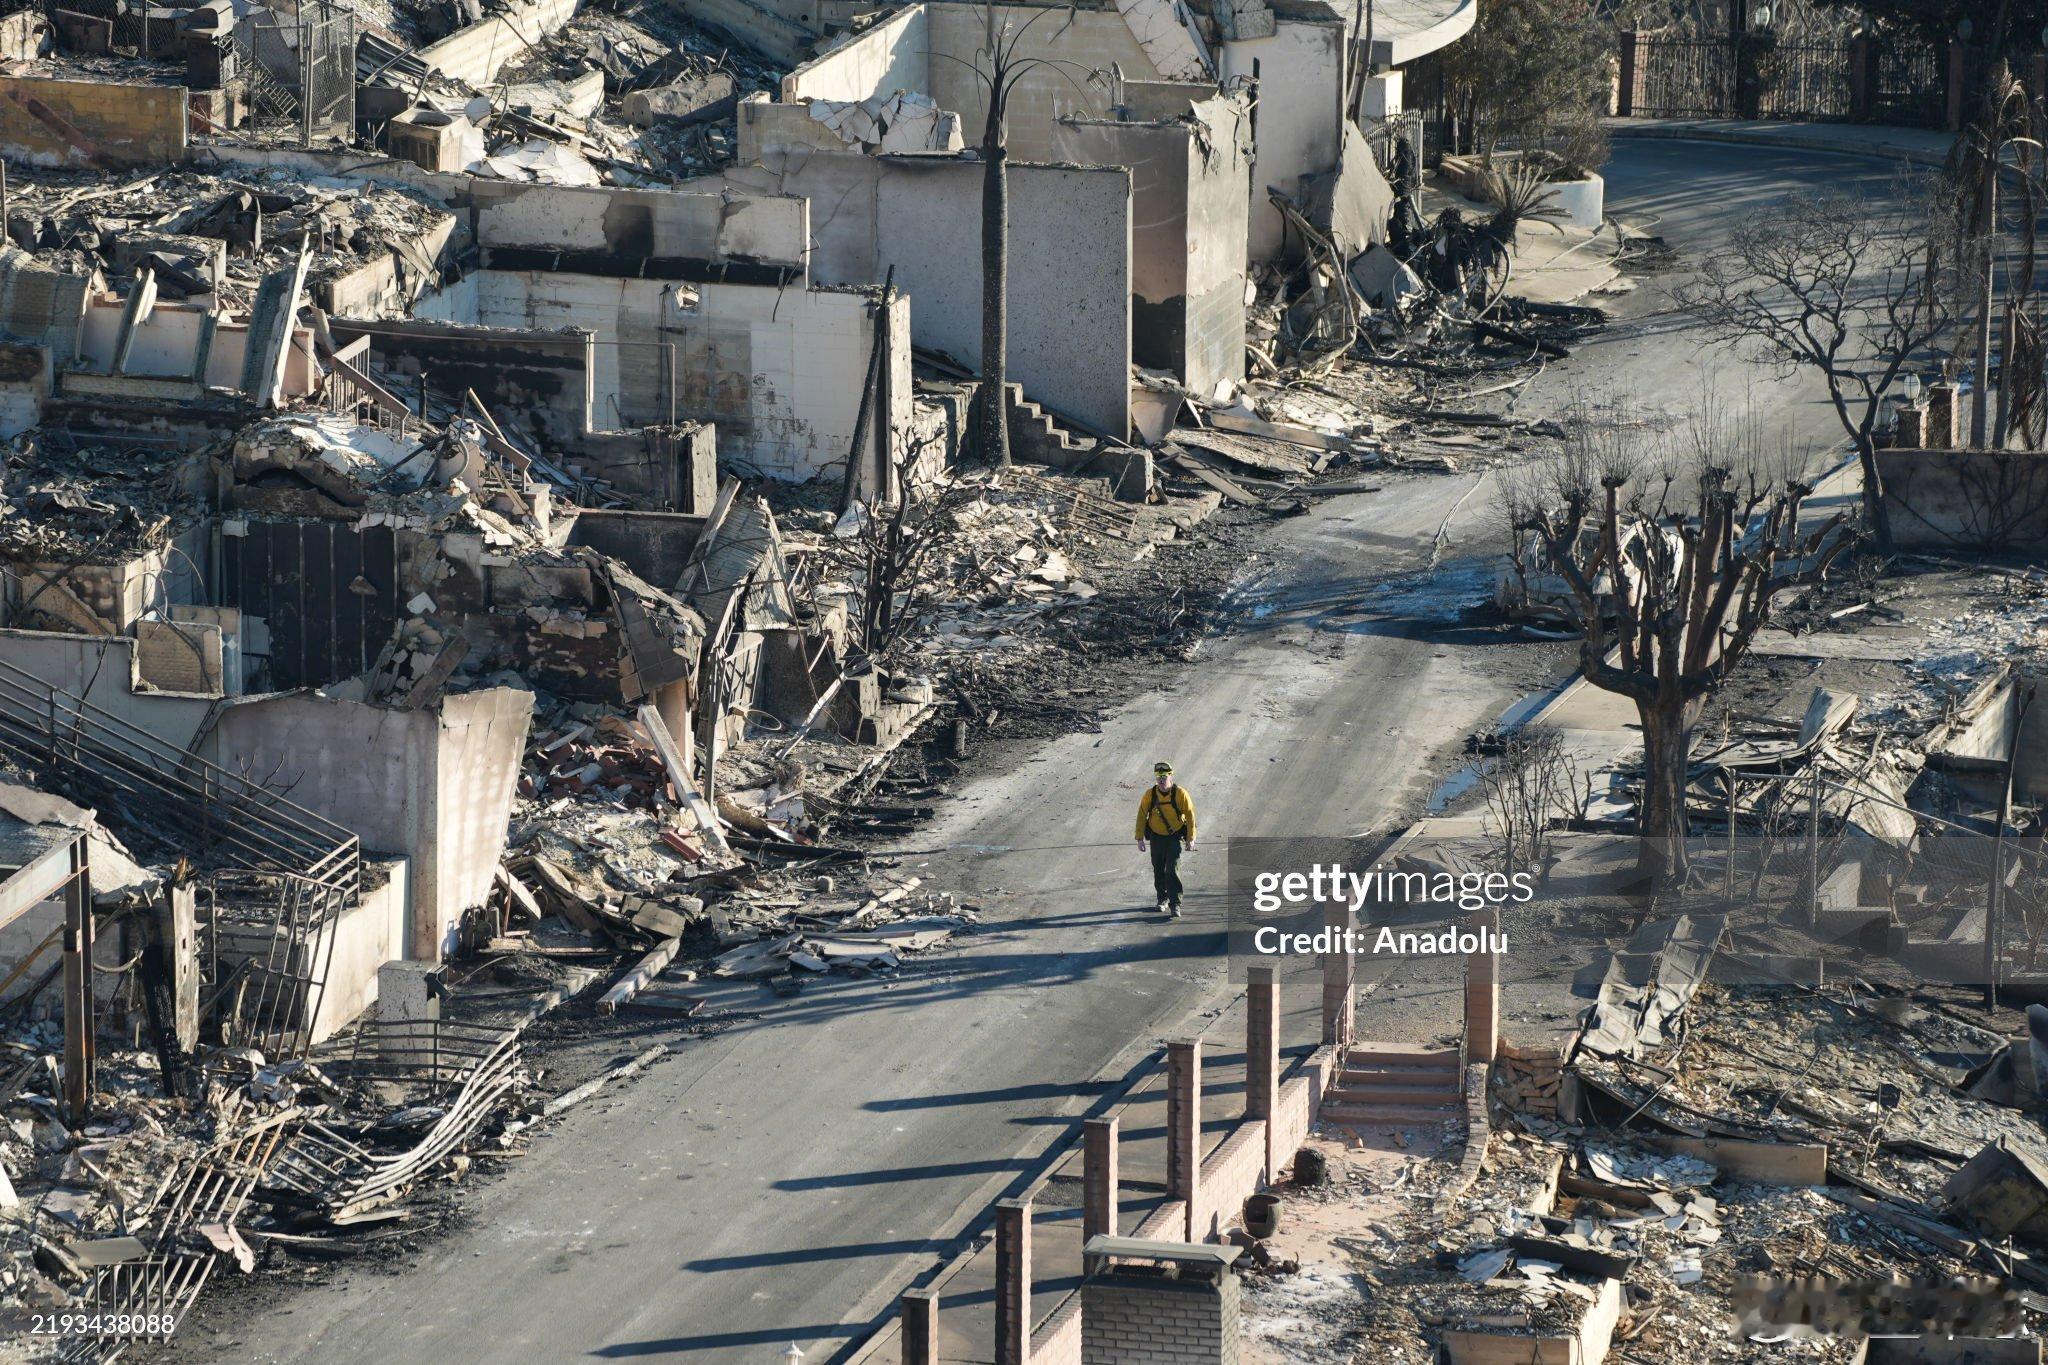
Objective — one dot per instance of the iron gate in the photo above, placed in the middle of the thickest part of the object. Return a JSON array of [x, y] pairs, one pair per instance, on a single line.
[[1745, 76], [1909, 85]]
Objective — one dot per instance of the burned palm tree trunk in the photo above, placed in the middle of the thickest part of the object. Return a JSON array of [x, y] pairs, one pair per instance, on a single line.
[[995, 284]]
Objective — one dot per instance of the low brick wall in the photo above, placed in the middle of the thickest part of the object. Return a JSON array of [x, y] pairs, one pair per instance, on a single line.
[[1230, 1175], [1301, 1099], [1057, 1340], [1137, 1318], [96, 124]]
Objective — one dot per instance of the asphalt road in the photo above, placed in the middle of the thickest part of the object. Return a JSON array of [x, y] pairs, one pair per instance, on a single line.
[[782, 1181], [1690, 193]]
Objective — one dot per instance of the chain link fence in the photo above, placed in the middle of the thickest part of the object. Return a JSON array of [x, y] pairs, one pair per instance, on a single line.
[[298, 71]]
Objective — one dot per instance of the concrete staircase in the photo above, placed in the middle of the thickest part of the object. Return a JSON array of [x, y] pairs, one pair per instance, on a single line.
[[1036, 438], [1395, 1084]]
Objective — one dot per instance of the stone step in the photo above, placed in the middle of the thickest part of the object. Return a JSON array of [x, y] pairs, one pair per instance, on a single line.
[[1390, 1114], [1402, 1057], [1349, 1091]]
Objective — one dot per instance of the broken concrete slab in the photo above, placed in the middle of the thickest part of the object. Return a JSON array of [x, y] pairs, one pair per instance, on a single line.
[[693, 99]]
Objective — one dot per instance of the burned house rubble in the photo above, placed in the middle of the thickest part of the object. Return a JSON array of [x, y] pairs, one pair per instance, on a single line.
[[511, 512]]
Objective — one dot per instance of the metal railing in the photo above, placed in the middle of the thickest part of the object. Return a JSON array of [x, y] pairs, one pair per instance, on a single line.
[[469, 1068], [146, 784], [163, 1285], [1909, 85], [267, 952]]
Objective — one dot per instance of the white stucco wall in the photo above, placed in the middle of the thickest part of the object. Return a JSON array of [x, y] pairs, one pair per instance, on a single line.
[[779, 370], [891, 56], [1301, 113], [1070, 261]]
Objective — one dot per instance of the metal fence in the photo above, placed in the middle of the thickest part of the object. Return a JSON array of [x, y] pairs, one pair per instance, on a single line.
[[1827, 865], [298, 71], [1909, 85], [1741, 76], [1799, 81], [1764, 76]]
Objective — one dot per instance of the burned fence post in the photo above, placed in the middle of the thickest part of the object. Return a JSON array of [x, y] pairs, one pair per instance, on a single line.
[[78, 1024], [1728, 776]]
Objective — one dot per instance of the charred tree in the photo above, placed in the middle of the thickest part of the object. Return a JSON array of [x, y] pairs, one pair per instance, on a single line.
[[999, 66], [1668, 600], [1855, 291]]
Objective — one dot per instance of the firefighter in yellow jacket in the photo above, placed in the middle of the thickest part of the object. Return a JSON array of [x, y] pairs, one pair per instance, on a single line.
[[1166, 821]]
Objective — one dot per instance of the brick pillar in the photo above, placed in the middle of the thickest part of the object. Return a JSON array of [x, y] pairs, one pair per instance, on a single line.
[[1262, 1054], [1625, 85], [1184, 1125], [1098, 1178], [1013, 1282], [1911, 431], [1862, 77], [1482, 992], [1337, 978], [1941, 417], [1958, 64], [920, 1327]]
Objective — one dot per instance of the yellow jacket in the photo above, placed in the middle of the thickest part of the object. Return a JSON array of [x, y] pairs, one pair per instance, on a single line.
[[1171, 812]]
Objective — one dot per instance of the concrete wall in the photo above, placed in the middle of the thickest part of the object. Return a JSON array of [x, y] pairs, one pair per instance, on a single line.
[[366, 937], [475, 54], [1070, 275], [24, 384], [1189, 206], [1079, 47], [629, 226], [99, 669], [537, 384], [168, 344], [780, 371], [782, 30], [1301, 108], [635, 224], [434, 786], [378, 287], [654, 545], [1966, 499], [482, 742], [891, 56], [40, 305], [1069, 317], [670, 468], [99, 125]]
